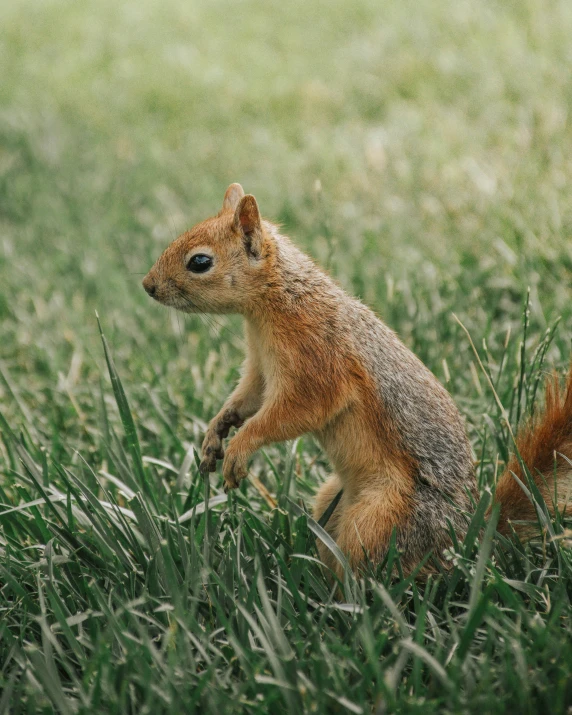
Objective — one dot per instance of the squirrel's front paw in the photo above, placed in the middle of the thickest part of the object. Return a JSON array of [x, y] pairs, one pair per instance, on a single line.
[[212, 450], [234, 468]]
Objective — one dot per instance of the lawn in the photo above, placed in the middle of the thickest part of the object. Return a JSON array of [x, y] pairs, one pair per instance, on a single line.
[[422, 152]]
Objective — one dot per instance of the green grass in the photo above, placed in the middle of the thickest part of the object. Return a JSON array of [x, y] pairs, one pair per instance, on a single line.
[[419, 150]]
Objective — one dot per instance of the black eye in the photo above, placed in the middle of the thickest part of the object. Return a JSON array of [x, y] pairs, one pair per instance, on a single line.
[[200, 263]]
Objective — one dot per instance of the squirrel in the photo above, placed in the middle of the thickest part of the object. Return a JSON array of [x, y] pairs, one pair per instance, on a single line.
[[319, 361]]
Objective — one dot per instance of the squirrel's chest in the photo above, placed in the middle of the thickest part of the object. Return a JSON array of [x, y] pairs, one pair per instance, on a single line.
[[293, 359], [263, 355]]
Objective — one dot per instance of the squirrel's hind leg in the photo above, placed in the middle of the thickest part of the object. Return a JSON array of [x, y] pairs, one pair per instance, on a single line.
[[365, 527], [362, 529]]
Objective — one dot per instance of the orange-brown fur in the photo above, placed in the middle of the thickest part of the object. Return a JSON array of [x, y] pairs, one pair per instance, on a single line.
[[545, 447], [319, 361]]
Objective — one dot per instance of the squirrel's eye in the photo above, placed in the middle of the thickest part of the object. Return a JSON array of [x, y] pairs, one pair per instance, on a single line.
[[200, 263]]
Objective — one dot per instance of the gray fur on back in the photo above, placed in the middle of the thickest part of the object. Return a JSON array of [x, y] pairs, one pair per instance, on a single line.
[[431, 431], [428, 421]]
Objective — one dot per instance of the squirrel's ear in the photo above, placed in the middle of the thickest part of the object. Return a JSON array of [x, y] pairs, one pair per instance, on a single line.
[[233, 195], [247, 220]]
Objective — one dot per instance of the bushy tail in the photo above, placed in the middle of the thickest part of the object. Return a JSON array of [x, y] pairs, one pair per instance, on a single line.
[[545, 446]]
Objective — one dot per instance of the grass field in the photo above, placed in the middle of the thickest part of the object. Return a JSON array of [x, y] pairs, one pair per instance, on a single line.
[[420, 150]]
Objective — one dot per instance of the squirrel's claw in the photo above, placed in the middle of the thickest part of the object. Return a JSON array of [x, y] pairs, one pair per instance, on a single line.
[[212, 450], [208, 462], [234, 468], [207, 466]]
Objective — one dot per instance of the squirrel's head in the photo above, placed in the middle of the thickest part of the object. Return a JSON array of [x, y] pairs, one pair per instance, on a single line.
[[219, 265]]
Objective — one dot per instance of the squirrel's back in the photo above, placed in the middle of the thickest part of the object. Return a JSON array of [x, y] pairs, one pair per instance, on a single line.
[[430, 431]]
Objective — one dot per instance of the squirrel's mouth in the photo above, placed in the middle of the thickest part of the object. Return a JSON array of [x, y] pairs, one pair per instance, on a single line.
[[181, 301], [178, 302], [170, 295]]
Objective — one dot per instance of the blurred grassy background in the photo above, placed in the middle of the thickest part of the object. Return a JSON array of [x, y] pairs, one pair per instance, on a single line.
[[420, 150]]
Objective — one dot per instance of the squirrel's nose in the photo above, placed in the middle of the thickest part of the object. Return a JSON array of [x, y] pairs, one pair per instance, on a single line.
[[149, 286]]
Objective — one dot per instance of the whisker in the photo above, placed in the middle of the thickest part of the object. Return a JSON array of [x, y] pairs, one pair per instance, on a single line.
[[211, 322]]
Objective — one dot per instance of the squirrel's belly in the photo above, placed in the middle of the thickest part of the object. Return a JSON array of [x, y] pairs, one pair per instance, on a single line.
[[362, 458]]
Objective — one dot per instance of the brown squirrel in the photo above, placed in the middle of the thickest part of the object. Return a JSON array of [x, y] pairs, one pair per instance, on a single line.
[[320, 361]]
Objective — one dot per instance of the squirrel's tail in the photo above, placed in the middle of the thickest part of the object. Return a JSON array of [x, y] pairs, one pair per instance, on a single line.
[[545, 447]]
